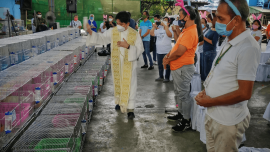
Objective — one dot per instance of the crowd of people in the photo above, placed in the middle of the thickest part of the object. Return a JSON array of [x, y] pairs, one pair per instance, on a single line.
[[228, 73]]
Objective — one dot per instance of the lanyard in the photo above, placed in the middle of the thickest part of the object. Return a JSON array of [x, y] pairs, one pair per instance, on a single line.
[[221, 55]]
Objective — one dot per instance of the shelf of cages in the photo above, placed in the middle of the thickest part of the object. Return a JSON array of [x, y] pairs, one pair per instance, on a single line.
[[52, 133], [14, 113]]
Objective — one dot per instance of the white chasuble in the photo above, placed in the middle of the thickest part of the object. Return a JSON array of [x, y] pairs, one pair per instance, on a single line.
[[123, 61]]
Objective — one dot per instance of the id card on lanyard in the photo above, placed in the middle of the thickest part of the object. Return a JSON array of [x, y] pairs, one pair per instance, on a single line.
[[216, 62]]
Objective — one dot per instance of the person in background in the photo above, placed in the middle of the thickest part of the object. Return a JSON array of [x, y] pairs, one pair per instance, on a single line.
[[102, 29], [229, 85], [200, 49], [153, 40], [163, 44], [92, 23], [145, 28], [209, 49], [40, 20], [267, 33], [109, 24], [133, 23], [256, 31], [32, 23], [75, 23], [248, 25], [181, 61], [209, 20]]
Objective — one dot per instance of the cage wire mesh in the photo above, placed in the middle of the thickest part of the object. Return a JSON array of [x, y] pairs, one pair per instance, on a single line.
[[52, 133]]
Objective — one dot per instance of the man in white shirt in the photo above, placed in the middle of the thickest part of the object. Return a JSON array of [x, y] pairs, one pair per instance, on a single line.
[[228, 87], [76, 23]]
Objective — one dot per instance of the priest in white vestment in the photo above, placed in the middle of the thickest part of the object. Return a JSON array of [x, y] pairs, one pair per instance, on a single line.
[[126, 48]]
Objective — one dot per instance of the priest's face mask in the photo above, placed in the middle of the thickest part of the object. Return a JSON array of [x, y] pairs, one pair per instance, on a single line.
[[121, 26]]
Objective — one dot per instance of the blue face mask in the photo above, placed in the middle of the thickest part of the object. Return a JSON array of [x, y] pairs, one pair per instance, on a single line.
[[91, 18], [203, 26], [221, 29]]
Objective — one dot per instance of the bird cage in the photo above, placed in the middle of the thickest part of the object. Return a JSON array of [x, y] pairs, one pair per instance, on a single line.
[[52, 133]]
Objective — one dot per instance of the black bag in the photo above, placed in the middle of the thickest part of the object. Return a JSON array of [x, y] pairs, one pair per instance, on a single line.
[[41, 28]]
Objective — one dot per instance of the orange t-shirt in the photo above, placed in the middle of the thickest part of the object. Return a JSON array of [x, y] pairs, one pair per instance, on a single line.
[[189, 39], [268, 30]]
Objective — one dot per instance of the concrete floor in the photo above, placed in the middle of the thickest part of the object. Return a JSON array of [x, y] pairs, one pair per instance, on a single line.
[[111, 131]]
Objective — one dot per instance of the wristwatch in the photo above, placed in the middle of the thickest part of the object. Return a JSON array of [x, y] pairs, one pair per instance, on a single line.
[[142, 36], [128, 47]]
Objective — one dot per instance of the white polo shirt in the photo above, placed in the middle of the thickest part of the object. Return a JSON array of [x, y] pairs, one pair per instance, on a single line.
[[101, 27], [239, 63]]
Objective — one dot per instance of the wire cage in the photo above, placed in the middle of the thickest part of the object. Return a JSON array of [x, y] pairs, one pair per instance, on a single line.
[[14, 114], [52, 133], [89, 79], [69, 105], [77, 88]]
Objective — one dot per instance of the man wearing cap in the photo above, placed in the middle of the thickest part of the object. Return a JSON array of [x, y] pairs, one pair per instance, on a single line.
[[228, 87]]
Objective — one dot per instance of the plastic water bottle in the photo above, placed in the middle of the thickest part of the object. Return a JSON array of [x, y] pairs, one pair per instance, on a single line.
[[82, 54], [90, 105], [105, 73], [57, 42], [12, 58], [70, 37], [8, 122], [75, 59], [76, 35], [96, 90], [101, 81], [55, 78], [48, 46], [86, 50], [37, 95], [83, 127], [66, 68], [34, 50], [64, 39]]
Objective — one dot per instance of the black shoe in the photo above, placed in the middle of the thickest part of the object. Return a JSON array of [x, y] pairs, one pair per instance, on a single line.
[[117, 107], [151, 68], [182, 126], [159, 79], [145, 66], [102, 53], [131, 115], [176, 117]]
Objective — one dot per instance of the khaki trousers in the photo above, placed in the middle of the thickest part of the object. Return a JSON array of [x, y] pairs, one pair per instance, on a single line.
[[221, 138]]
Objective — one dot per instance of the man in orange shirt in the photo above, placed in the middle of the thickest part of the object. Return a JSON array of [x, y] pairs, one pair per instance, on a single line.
[[181, 61], [267, 32]]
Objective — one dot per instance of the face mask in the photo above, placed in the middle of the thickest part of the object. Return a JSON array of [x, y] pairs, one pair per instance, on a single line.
[[144, 16], [203, 26], [39, 16], [75, 19], [91, 18], [182, 22], [255, 27], [221, 29], [209, 24], [110, 19], [120, 28]]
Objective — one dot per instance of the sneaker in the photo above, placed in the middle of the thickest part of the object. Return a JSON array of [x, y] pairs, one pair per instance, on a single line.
[[176, 117], [166, 81], [151, 68], [117, 107], [145, 66], [182, 126], [155, 62], [131, 115], [159, 79]]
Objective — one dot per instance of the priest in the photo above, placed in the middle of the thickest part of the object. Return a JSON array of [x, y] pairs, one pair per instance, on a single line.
[[126, 48]]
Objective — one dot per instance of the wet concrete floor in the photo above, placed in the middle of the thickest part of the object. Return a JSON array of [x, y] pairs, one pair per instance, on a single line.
[[111, 131]]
